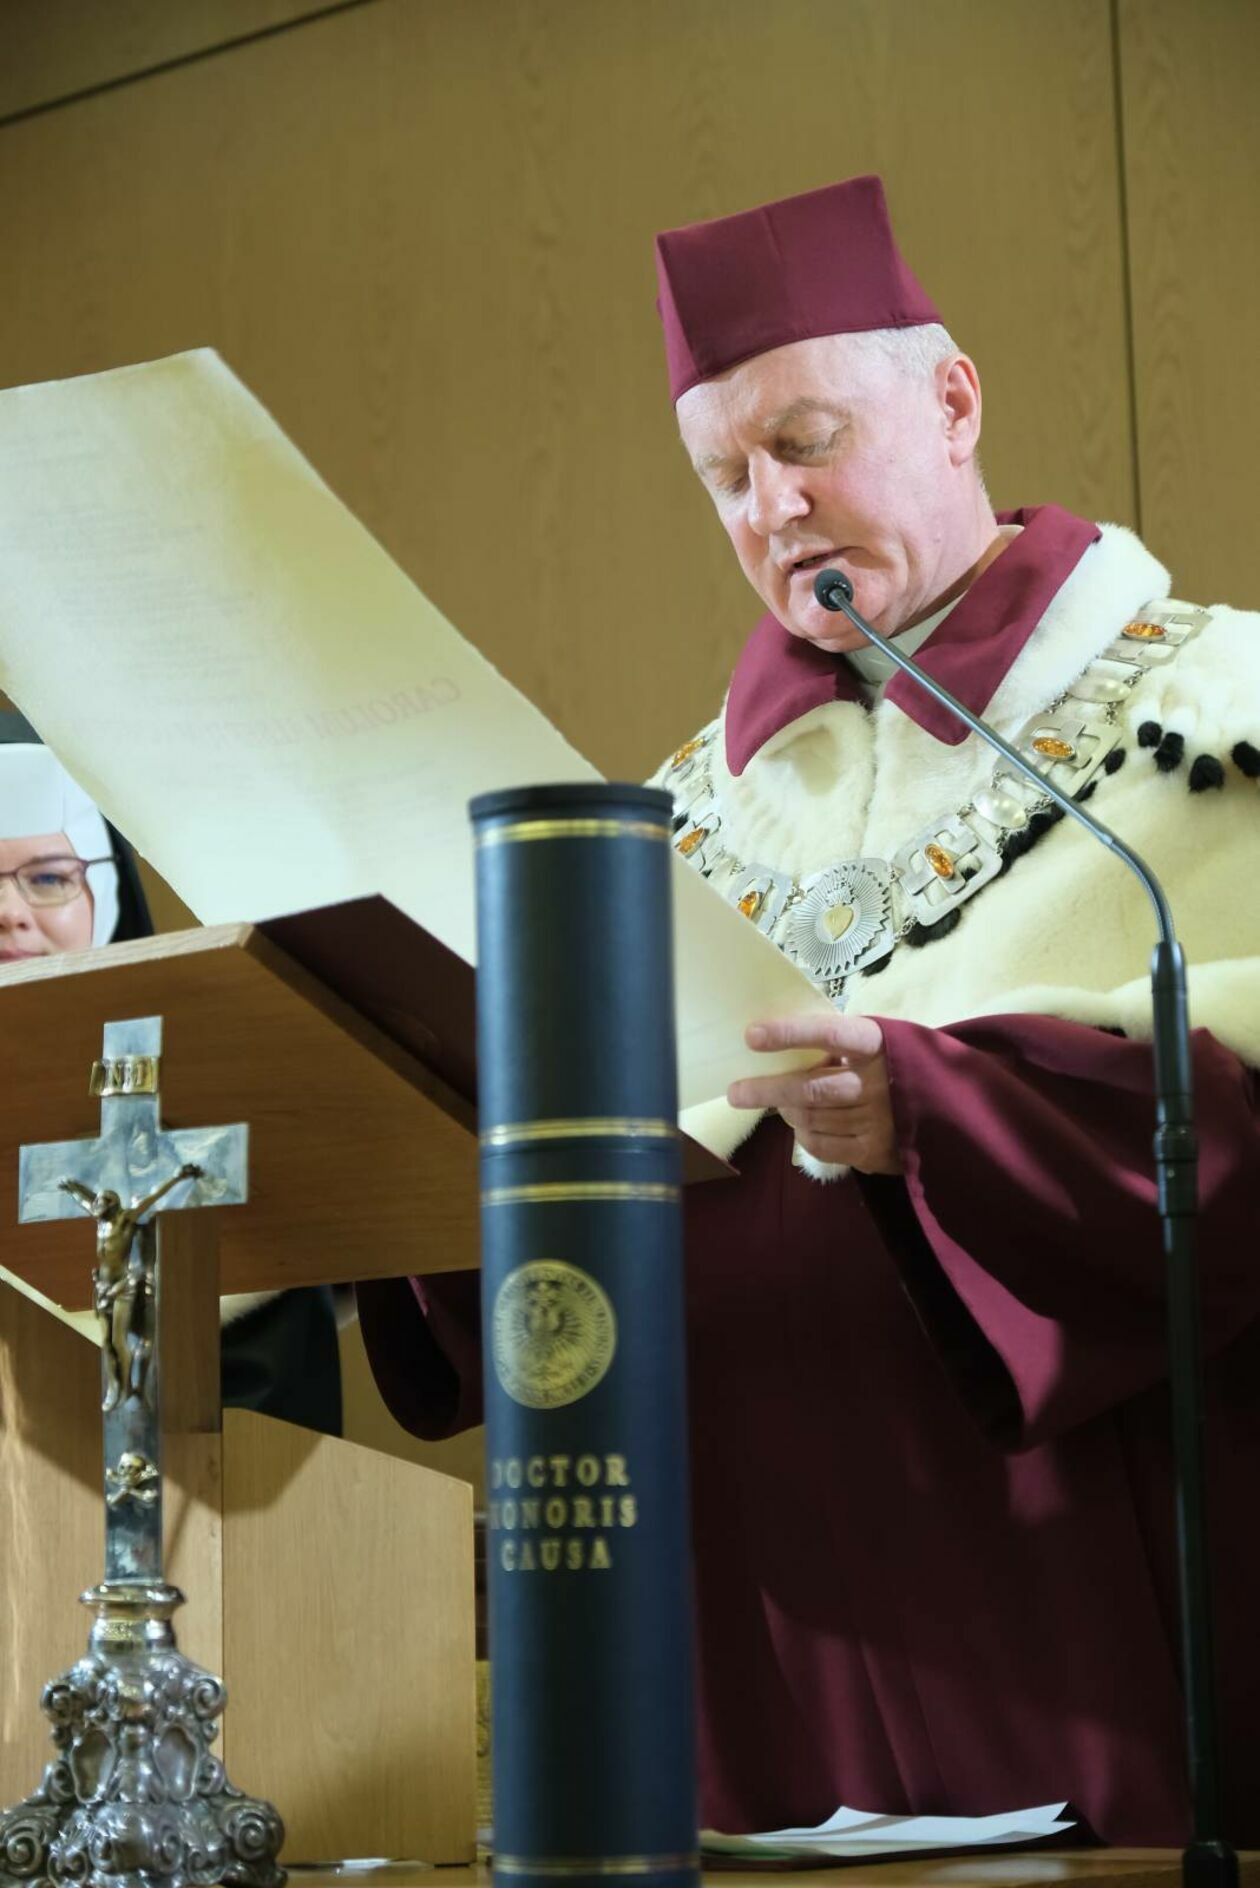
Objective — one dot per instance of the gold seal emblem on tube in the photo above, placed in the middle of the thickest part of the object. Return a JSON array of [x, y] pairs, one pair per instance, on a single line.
[[553, 1334]]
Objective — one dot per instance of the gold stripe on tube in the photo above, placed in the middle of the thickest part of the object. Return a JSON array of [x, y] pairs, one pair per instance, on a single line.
[[552, 1191], [590, 1127], [523, 829], [592, 1864]]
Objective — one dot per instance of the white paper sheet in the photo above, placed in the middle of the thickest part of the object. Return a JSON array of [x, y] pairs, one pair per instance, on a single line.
[[857, 1832], [264, 703]]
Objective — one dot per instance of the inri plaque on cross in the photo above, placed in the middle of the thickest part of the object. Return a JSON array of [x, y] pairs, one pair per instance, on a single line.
[[135, 1794]]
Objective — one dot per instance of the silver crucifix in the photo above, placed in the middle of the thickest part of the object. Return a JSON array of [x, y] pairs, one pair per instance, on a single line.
[[134, 1797]]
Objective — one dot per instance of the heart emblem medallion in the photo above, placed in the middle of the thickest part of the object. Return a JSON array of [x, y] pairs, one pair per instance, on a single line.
[[836, 921], [843, 920]]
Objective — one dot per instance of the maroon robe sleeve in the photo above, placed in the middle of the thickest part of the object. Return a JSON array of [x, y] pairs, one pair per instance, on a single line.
[[1026, 1226], [423, 1340]]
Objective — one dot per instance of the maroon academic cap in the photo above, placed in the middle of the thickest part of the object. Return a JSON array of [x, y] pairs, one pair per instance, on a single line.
[[821, 263]]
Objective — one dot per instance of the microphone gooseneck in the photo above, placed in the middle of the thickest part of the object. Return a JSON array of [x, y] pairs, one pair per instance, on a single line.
[[1209, 1861], [835, 592]]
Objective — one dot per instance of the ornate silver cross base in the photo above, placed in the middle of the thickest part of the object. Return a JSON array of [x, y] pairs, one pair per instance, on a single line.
[[135, 1795], [134, 1798]]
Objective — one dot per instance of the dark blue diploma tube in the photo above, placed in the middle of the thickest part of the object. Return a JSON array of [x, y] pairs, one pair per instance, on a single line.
[[588, 1544]]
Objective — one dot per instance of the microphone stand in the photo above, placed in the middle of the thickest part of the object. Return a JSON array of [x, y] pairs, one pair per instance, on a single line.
[[1209, 1861]]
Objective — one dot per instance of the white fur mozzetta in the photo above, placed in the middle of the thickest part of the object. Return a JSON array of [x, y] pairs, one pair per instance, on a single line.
[[1067, 931]]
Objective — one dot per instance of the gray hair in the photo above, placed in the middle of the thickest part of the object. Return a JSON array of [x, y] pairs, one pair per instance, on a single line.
[[917, 350]]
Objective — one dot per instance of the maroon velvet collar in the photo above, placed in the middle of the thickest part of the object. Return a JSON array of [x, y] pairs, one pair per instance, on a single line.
[[779, 678]]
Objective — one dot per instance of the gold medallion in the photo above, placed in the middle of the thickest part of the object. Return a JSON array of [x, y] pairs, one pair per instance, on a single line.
[[553, 1334]]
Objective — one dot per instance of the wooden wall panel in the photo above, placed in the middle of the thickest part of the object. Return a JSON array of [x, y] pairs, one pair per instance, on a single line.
[[51, 49], [1192, 158], [423, 236]]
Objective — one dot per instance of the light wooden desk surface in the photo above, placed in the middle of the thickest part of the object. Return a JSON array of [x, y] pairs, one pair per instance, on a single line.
[[1051, 1868]]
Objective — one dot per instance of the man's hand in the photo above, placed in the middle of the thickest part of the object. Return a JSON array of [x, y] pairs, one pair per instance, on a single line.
[[841, 1110]]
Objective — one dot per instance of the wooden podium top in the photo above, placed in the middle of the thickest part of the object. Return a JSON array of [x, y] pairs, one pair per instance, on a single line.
[[362, 1162]]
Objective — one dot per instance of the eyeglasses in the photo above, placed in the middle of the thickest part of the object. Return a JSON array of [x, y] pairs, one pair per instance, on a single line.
[[52, 881]]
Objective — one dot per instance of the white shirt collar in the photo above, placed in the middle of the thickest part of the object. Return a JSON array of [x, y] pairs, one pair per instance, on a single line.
[[874, 670]]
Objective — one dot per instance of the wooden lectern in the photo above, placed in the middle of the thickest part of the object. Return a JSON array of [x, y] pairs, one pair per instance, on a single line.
[[331, 1587]]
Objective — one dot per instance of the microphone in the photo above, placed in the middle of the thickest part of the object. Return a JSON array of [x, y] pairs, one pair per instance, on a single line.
[[833, 590], [1209, 1861]]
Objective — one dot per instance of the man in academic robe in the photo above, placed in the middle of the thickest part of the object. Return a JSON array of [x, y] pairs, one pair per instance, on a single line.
[[68, 880], [931, 1453]]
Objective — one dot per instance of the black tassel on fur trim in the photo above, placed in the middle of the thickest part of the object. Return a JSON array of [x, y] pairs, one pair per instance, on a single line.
[[873, 970], [1115, 760], [1247, 759], [1206, 772], [1150, 734], [1015, 845], [1170, 753], [920, 934]]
